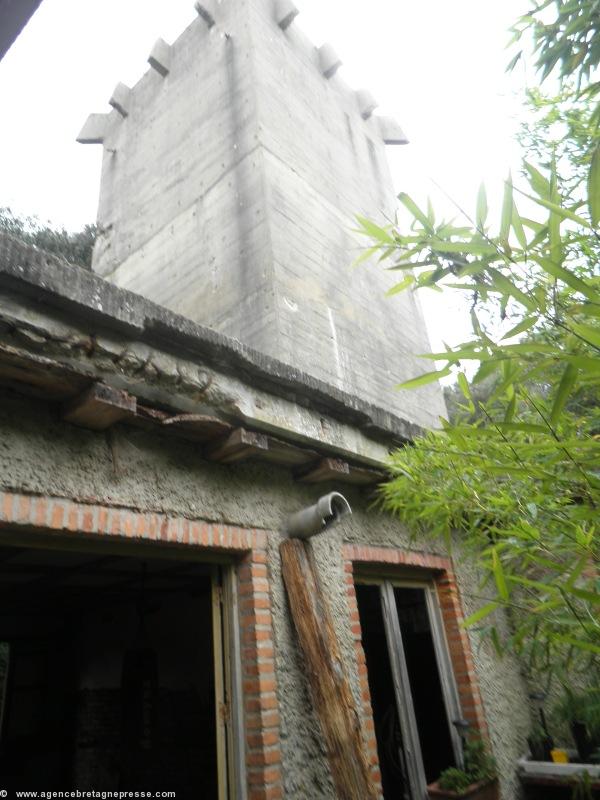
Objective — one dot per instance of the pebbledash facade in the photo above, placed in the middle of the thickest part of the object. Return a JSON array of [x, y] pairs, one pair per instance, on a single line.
[[163, 416]]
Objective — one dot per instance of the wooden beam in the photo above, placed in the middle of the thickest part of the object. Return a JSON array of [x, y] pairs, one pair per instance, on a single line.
[[286, 454], [37, 375], [236, 446], [361, 476], [333, 469], [99, 407], [198, 427], [327, 469], [330, 689]]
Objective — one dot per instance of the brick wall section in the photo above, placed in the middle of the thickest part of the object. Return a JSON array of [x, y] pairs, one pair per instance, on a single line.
[[263, 755], [452, 615], [60, 515]]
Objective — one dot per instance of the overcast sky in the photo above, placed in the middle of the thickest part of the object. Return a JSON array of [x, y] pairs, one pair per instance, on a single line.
[[438, 66]]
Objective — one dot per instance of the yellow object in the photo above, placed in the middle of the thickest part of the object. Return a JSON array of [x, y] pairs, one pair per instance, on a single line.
[[559, 756]]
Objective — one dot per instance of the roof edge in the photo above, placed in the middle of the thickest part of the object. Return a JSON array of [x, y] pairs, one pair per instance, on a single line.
[[47, 279]]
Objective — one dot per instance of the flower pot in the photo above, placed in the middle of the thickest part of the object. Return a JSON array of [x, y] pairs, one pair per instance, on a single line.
[[583, 743], [540, 749], [484, 790]]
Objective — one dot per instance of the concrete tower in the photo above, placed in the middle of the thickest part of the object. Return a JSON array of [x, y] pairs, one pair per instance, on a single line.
[[232, 173]]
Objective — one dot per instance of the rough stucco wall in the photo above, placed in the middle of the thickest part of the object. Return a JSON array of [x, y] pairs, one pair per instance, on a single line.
[[38, 453]]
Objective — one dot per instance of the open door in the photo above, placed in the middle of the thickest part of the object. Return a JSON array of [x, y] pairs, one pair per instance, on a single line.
[[413, 693], [119, 672]]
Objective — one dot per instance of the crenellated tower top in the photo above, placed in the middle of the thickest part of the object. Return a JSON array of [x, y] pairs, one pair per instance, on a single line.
[[232, 173]]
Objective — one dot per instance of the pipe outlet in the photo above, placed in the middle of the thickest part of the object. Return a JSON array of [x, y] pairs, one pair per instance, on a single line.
[[325, 513]]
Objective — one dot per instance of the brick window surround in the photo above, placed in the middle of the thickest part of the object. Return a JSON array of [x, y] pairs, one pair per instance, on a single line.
[[441, 571], [57, 515]]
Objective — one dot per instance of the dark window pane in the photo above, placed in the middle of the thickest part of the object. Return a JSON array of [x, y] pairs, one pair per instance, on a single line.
[[383, 698], [426, 688]]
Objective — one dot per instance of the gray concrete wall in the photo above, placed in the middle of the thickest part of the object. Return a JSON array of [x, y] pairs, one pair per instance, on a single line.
[[229, 193], [181, 206], [38, 453]]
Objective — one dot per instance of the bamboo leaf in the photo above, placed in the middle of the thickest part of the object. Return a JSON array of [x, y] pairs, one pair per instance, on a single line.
[[557, 271], [507, 209], [486, 369], [584, 363], [578, 643], [594, 187], [473, 248], [375, 231], [587, 332], [464, 386], [525, 325], [577, 571], [522, 348], [589, 597], [503, 284], [414, 209], [559, 210], [365, 255], [554, 219], [499, 575], [480, 614], [400, 287], [517, 226], [565, 387], [482, 207], [524, 427], [510, 409], [423, 380], [539, 184]]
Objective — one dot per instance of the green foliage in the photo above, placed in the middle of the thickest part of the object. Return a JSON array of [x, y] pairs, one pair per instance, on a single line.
[[580, 706], [582, 787], [515, 475], [537, 734], [566, 38], [76, 248], [454, 780], [479, 766]]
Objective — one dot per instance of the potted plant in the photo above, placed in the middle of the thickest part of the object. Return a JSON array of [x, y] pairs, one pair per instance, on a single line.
[[476, 781], [582, 713], [540, 744]]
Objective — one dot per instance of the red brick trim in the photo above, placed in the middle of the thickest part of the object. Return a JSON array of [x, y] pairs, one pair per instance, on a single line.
[[60, 515], [261, 707], [452, 615]]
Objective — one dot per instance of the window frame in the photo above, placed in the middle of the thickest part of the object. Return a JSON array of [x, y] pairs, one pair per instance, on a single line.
[[387, 581]]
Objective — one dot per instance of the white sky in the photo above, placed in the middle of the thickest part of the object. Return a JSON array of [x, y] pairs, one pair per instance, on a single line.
[[436, 65]]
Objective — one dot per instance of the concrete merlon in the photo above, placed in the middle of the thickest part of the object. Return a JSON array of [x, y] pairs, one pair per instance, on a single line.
[[366, 103], [160, 57], [206, 9], [94, 129], [120, 99], [285, 13], [329, 60], [390, 131]]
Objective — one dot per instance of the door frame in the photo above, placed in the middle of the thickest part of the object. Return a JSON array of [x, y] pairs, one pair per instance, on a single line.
[[404, 703], [229, 721]]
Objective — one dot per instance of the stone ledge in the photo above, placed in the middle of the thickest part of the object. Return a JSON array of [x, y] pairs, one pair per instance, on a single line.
[[50, 281]]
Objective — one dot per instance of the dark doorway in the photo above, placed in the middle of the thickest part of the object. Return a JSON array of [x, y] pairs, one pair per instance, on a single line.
[[107, 673], [383, 698], [425, 686], [411, 695]]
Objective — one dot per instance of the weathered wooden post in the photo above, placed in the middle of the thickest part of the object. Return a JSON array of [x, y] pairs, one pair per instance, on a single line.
[[330, 688]]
